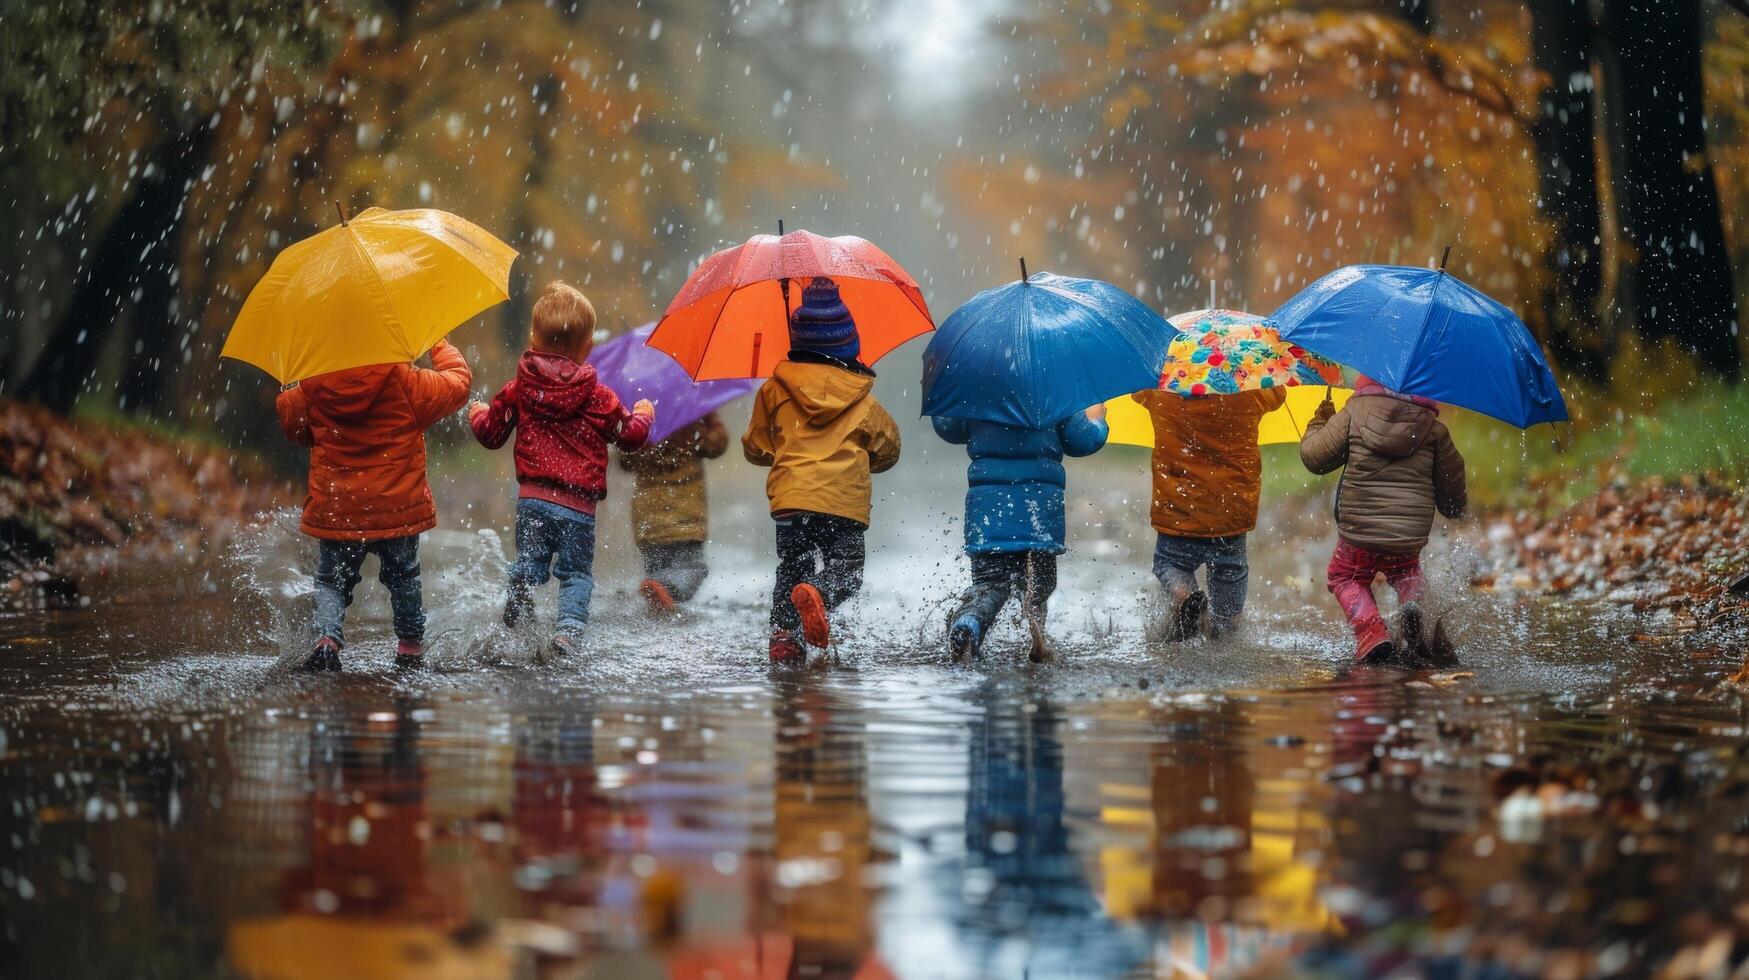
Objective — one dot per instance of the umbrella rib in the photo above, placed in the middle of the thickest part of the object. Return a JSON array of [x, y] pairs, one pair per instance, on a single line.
[[377, 277], [734, 287]]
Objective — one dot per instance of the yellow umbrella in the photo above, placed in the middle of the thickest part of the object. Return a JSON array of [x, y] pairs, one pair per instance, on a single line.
[[1132, 426], [380, 288]]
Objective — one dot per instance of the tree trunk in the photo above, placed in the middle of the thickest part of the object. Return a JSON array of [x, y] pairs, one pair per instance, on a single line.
[[524, 235], [158, 328], [1418, 13], [1567, 149], [1669, 202], [134, 261]]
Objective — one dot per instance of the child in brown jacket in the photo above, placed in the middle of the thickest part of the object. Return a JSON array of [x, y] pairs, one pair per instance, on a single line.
[[820, 430], [670, 513], [1399, 466]]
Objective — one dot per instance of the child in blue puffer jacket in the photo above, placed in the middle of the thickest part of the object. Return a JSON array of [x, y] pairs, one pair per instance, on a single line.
[[1014, 517]]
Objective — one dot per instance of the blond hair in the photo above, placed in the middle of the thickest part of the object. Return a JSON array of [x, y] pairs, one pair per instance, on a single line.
[[563, 322]]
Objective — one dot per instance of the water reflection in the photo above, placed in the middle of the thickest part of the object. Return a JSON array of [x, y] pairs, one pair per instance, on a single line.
[[1027, 906], [377, 890], [865, 822]]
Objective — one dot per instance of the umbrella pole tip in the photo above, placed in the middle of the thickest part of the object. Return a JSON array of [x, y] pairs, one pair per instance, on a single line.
[[1023, 268], [780, 227], [340, 209], [1445, 257]]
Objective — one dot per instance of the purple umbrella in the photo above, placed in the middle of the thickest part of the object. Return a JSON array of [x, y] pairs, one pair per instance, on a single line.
[[635, 371]]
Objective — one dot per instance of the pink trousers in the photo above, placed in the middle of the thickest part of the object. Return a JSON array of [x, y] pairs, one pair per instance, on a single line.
[[1350, 578]]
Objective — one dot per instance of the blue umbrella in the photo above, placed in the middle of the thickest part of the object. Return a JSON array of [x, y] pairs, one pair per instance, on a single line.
[[636, 371], [1032, 353], [1426, 332]]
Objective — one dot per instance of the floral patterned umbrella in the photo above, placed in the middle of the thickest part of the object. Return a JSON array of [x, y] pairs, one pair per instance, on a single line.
[[1224, 352]]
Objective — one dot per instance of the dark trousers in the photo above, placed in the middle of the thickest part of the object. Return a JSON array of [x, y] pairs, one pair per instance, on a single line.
[[678, 565], [997, 576], [337, 574], [823, 550]]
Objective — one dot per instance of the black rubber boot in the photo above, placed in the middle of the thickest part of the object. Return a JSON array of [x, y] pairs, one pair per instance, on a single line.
[[325, 658], [1187, 623]]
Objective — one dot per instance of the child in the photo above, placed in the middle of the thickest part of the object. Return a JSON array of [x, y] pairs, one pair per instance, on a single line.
[[368, 493], [1207, 476], [670, 516], [1014, 517], [563, 420], [1400, 466], [821, 432]]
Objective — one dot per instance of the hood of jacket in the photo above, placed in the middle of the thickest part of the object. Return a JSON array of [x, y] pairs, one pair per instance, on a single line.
[[553, 386], [821, 392], [351, 394], [1390, 425]]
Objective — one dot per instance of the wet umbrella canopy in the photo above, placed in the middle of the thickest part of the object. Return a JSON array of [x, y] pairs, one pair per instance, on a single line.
[[1426, 332], [380, 288], [731, 318], [1033, 352], [635, 370]]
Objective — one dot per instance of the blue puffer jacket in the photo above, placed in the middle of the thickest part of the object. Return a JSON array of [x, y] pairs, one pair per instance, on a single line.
[[1014, 497]]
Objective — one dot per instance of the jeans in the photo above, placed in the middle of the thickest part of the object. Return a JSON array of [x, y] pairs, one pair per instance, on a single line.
[[823, 550], [1177, 559], [678, 566], [998, 575], [556, 542], [337, 574], [1350, 577]]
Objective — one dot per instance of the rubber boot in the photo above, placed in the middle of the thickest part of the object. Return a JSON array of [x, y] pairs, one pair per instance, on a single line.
[[812, 610]]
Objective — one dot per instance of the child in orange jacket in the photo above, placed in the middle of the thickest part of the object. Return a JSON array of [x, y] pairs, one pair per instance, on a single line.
[[1208, 475], [368, 494]]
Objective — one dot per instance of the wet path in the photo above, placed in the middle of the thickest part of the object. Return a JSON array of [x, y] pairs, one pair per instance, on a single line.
[[178, 805]]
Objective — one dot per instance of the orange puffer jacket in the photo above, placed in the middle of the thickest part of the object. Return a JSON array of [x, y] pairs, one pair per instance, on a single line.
[[366, 431], [1208, 472]]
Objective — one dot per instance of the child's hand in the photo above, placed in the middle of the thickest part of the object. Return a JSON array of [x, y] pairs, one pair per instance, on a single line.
[[475, 408], [1096, 412], [644, 407], [1325, 411]]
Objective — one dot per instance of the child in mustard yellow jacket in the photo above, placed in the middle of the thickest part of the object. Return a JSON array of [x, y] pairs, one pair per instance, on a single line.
[[820, 430]]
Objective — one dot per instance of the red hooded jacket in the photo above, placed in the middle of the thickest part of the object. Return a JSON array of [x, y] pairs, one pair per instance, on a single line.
[[564, 419], [366, 431]]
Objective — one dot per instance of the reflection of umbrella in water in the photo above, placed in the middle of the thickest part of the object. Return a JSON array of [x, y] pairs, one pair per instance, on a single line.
[[634, 370], [364, 903], [1033, 902]]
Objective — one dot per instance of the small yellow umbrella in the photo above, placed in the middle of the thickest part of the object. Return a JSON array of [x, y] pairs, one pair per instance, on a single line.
[[1132, 426], [380, 288]]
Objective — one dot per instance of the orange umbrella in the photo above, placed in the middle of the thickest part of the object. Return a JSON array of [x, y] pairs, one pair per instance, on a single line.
[[731, 318]]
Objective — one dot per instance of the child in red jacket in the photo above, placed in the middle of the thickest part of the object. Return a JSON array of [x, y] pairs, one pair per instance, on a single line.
[[564, 419], [368, 494]]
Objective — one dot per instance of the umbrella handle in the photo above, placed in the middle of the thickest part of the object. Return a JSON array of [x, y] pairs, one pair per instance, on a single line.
[[758, 340]]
